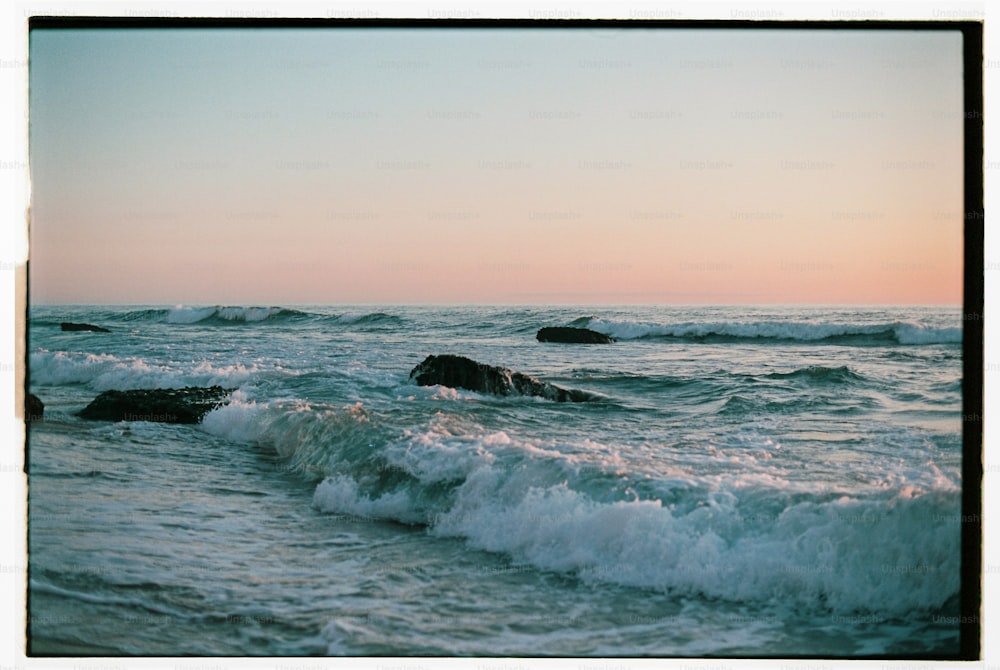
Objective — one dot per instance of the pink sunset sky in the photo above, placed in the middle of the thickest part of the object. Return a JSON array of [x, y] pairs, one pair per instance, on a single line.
[[434, 165]]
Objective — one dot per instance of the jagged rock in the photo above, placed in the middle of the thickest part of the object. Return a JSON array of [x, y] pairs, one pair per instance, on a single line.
[[186, 405], [572, 335], [34, 409], [67, 326], [465, 373]]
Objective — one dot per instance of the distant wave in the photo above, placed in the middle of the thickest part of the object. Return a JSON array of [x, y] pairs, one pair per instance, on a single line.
[[366, 318], [233, 315], [145, 315], [897, 332], [227, 314], [745, 540]]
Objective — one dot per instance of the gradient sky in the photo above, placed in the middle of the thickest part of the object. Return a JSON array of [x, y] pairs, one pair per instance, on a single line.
[[390, 165]]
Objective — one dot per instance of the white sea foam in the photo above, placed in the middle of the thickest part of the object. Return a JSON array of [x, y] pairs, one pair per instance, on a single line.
[[103, 372], [913, 333], [340, 494], [444, 451], [238, 420]]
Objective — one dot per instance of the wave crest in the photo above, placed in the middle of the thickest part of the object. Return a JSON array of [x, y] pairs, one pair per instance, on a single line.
[[896, 332], [228, 314], [367, 318]]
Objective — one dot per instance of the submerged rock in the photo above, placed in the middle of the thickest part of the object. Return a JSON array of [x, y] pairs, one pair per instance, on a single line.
[[34, 409], [67, 326], [572, 335], [186, 405], [465, 373]]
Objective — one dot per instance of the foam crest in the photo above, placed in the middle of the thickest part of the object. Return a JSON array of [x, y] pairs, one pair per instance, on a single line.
[[104, 372], [445, 451], [340, 494], [239, 420]]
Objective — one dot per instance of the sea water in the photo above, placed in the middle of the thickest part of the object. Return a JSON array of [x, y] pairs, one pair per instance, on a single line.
[[773, 481]]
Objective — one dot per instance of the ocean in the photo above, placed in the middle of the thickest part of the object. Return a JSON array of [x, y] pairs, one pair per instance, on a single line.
[[770, 481]]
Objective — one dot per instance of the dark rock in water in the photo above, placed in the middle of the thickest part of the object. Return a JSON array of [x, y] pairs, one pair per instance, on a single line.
[[465, 373], [33, 408], [572, 335], [186, 405], [67, 326]]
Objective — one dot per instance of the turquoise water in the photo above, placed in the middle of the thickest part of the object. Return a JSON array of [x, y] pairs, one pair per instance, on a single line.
[[751, 482]]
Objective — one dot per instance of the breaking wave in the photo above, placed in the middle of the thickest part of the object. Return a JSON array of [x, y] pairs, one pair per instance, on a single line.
[[743, 539]]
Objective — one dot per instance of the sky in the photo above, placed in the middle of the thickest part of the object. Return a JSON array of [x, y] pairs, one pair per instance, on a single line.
[[515, 165]]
